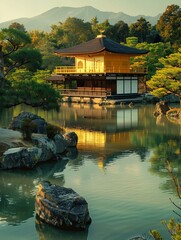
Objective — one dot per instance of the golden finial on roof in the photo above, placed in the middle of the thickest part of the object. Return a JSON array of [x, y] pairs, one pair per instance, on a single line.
[[101, 34]]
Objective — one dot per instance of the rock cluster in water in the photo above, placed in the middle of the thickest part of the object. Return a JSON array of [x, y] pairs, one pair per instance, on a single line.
[[61, 207], [43, 149]]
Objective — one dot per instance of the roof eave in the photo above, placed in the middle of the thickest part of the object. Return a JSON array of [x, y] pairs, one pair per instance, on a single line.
[[72, 54]]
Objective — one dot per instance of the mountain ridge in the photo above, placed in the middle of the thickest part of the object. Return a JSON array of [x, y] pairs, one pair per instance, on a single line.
[[54, 15]]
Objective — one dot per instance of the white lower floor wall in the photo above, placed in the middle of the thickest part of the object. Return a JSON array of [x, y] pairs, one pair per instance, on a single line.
[[127, 85]]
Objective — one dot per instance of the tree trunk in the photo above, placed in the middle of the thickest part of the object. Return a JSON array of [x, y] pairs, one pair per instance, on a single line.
[[1, 68]]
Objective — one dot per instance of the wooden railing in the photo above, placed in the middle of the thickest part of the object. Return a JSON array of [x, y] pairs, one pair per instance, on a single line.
[[72, 69], [85, 92]]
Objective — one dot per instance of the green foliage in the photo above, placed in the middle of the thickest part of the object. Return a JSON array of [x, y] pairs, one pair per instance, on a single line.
[[156, 235], [103, 27], [169, 25], [53, 130], [174, 228], [21, 74], [150, 61], [17, 52], [28, 57], [168, 79], [14, 38], [29, 88], [41, 75], [173, 60], [18, 26], [38, 94], [46, 44], [118, 32], [94, 23], [27, 128], [72, 32], [141, 29], [131, 41]]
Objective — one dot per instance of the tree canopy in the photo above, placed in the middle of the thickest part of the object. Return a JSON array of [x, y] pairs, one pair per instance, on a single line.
[[19, 61], [141, 29], [169, 25], [167, 79], [151, 60], [72, 32], [16, 51]]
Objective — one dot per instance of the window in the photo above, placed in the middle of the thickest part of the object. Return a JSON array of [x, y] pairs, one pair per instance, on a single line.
[[80, 64]]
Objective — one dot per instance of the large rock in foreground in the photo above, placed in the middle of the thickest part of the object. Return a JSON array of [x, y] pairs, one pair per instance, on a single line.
[[61, 207]]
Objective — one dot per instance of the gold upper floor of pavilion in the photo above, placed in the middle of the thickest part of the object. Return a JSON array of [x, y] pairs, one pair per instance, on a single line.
[[91, 70]]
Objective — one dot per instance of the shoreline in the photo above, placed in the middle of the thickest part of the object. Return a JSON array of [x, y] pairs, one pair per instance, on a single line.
[[12, 138]]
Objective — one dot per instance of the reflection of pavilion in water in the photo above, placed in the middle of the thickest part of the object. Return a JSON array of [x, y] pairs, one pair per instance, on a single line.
[[104, 130], [98, 118]]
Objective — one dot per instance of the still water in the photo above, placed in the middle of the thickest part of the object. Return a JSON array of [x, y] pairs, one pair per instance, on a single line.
[[119, 168]]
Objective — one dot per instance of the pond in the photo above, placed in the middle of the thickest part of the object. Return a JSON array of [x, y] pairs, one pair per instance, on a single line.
[[119, 168]]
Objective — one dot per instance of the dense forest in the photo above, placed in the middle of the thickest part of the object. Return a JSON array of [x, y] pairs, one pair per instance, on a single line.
[[27, 58]]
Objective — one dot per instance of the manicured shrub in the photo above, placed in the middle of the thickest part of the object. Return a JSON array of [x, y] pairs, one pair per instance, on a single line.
[[27, 128], [53, 130]]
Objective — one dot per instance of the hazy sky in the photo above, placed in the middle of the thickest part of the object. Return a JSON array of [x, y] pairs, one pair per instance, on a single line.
[[12, 9]]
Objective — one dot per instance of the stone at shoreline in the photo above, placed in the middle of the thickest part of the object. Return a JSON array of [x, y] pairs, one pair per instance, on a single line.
[[161, 108], [46, 145], [71, 138], [171, 98], [60, 143], [44, 149], [20, 157], [57, 145], [40, 122], [10, 137], [61, 207]]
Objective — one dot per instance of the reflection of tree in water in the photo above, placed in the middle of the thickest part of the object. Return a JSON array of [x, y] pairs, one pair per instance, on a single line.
[[18, 188], [141, 148], [6, 116], [76, 163], [16, 203], [164, 147], [168, 149], [142, 152]]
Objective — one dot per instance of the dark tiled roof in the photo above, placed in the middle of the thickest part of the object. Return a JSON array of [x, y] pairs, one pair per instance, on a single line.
[[97, 45]]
